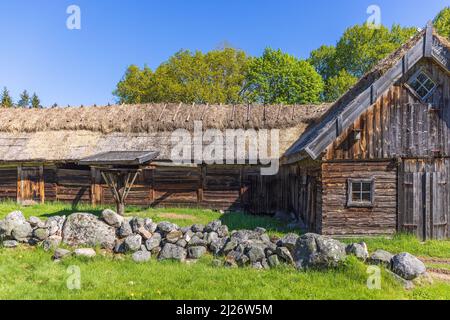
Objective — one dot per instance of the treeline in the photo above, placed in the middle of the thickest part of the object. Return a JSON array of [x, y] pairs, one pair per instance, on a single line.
[[25, 100], [231, 76]]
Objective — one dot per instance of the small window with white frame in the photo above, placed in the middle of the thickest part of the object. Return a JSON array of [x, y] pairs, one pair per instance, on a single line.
[[360, 193], [422, 84]]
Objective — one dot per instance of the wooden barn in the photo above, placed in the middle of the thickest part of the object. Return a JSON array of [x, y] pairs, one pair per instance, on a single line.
[[375, 162]]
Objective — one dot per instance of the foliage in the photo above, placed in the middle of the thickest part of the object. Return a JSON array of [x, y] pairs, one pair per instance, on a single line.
[[442, 22], [6, 100], [24, 101], [35, 102], [359, 49], [278, 77], [338, 85], [190, 77]]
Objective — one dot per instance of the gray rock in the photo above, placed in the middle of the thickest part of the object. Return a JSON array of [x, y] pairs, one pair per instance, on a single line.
[[156, 251], [22, 232], [211, 237], [141, 256], [407, 266], [222, 231], [166, 227], [229, 246], [61, 253], [182, 243], [84, 229], [172, 252], [185, 229], [112, 218], [260, 230], [174, 236], [358, 250], [51, 243], [144, 233], [285, 255], [137, 224], [213, 226], [85, 252], [125, 229], [197, 242], [199, 234], [198, 228], [265, 238], [257, 265], [245, 235], [216, 246], [55, 225], [35, 222], [119, 246], [10, 244], [196, 252], [289, 241], [188, 235], [133, 242], [381, 257], [11, 221], [265, 264], [273, 261], [316, 251], [150, 225], [153, 242], [256, 253], [41, 234], [243, 260]]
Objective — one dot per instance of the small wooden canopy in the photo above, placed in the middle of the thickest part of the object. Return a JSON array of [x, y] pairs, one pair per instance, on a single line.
[[120, 158], [120, 169]]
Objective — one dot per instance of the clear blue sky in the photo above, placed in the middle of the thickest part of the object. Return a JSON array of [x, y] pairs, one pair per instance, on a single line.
[[76, 67]]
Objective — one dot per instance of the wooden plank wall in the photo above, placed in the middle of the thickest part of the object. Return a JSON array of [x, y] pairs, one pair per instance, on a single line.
[[73, 185], [338, 219], [400, 125], [8, 184]]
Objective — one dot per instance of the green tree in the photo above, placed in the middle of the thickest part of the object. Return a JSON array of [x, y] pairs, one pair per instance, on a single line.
[[324, 60], [35, 102], [442, 22], [135, 86], [278, 77], [214, 77], [24, 101], [6, 101], [337, 85]]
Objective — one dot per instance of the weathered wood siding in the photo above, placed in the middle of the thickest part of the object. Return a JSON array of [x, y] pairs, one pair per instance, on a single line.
[[73, 185], [338, 219], [8, 184], [400, 125]]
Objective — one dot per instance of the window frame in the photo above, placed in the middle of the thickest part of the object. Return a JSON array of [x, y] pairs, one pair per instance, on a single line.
[[414, 78], [360, 204]]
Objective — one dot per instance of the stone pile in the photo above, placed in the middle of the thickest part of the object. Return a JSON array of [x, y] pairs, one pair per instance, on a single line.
[[143, 239]]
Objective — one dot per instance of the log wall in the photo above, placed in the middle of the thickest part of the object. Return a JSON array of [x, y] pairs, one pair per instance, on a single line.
[[338, 219]]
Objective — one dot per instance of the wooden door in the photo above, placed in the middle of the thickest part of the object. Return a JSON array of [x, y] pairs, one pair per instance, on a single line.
[[423, 204], [30, 185]]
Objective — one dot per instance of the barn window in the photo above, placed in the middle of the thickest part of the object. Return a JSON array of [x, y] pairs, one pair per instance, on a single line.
[[360, 192], [422, 84]]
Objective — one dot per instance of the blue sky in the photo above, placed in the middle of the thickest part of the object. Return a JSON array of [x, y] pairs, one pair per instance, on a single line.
[[83, 66]]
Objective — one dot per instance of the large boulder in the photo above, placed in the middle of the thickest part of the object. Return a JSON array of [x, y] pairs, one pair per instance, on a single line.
[[407, 266], [316, 251], [172, 252], [22, 232], [112, 218], [84, 229], [11, 221], [55, 225], [381, 257], [153, 242]]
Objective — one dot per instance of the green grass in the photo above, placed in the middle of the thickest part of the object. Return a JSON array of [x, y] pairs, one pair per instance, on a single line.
[[29, 273]]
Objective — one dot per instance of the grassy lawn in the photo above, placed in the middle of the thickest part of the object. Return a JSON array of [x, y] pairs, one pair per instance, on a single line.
[[29, 273]]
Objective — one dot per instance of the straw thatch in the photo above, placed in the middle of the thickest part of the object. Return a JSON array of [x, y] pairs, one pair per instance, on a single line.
[[70, 134], [156, 117]]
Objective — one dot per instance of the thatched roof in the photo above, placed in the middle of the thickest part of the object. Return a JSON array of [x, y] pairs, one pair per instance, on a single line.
[[70, 134]]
